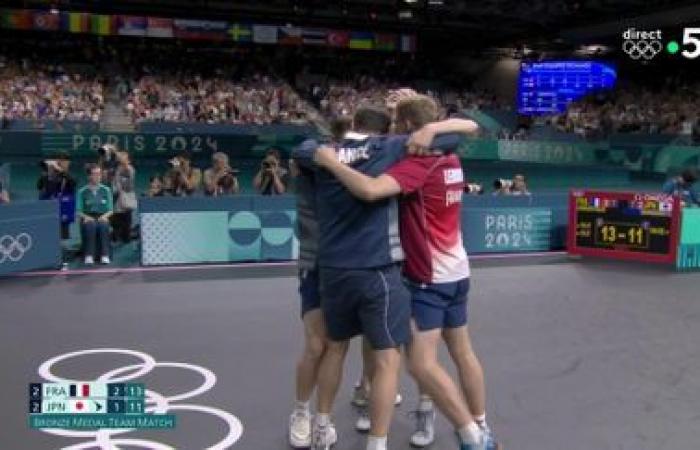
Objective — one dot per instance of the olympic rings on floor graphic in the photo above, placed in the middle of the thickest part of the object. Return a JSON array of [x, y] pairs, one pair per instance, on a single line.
[[14, 247], [155, 402]]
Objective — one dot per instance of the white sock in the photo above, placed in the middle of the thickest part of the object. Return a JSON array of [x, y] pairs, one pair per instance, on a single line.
[[470, 434], [481, 421], [426, 403], [376, 443], [323, 419], [302, 407]]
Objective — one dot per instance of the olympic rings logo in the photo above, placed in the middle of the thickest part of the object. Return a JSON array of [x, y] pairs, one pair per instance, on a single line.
[[155, 402], [642, 49], [13, 248]]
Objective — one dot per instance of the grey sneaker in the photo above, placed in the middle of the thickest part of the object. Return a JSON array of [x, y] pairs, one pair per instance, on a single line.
[[324, 437], [425, 428], [363, 422]]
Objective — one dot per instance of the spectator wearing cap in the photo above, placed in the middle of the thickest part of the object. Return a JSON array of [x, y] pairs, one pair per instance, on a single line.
[[684, 186], [182, 179], [94, 207], [220, 178], [271, 179]]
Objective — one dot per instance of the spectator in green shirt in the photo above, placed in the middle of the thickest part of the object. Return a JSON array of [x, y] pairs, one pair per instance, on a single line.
[[94, 206]]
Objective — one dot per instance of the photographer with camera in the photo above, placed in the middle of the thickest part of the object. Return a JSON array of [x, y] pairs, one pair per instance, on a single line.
[[95, 206], [107, 161], [271, 179], [220, 179], [516, 186], [124, 197], [684, 187], [182, 179], [56, 182], [4, 195]]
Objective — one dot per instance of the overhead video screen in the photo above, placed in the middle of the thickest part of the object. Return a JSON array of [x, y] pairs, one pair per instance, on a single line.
[[548, 87]]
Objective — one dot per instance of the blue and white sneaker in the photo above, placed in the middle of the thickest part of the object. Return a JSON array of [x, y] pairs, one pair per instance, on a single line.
[[490, 442]]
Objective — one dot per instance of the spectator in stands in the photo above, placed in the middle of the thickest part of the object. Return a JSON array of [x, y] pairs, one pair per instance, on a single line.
[[271, 179], [220, 179], [94, 206], [182, 179], [56, 183], [519, 185], [4, 195], [125, 197], [156, 187], [684, 186]]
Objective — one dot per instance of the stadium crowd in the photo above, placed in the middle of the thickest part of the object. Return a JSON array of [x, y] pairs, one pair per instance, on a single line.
[[258, 100], [35, 91], [632, 109]]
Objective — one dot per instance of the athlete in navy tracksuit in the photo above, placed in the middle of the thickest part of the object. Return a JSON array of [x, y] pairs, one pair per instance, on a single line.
[[359, 253]]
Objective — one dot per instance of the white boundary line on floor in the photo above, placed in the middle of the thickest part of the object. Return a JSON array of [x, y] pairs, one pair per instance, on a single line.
[[176, 268]]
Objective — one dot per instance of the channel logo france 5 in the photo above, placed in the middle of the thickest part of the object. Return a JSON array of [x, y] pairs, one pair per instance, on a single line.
[[645, 45]]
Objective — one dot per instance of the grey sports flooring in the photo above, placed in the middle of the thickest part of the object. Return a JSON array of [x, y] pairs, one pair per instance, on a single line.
[[578, 355]]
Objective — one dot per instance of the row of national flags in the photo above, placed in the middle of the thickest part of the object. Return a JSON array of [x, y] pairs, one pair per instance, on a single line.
[[212, 30]]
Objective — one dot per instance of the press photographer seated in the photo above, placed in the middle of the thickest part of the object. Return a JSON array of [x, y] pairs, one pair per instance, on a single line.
[[94, 207], [271, 179], [4, 195], [220, 179], [182, 179]]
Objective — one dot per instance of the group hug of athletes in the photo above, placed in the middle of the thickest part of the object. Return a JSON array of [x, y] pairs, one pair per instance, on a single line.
[[381, 255]]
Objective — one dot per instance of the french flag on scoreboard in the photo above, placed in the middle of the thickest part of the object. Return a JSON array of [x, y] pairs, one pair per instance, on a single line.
[[79, 390]]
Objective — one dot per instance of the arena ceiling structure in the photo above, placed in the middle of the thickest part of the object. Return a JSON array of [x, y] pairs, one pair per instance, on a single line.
[[477, 23]]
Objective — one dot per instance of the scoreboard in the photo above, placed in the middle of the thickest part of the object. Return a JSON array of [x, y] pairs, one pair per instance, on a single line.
[[92, 405], [548, 87], [623, 225]]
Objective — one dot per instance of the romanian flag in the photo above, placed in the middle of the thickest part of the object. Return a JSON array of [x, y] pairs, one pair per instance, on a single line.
[[361, 41], [75, 22], [385, 42], [17, 19], [102, 25]]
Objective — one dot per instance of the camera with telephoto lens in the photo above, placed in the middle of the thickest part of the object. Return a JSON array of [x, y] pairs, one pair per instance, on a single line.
[[473, 189], [502, 184], [49, 164], [107, 152]]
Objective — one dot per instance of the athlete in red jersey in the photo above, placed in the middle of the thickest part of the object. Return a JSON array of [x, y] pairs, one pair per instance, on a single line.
[[436, 267]]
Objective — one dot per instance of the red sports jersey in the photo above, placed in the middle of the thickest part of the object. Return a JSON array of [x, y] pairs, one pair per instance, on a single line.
[[431, 232]]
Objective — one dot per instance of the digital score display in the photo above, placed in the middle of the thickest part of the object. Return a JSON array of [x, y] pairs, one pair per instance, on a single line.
[[548, 87], [624, 225], [93, 405]]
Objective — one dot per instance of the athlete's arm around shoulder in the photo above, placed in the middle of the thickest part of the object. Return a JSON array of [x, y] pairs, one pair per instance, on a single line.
[[364, 187], [423, 139]]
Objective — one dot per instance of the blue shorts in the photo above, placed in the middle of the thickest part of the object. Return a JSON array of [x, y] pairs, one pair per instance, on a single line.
[[371, 302], [439, 305], [309, 290]]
